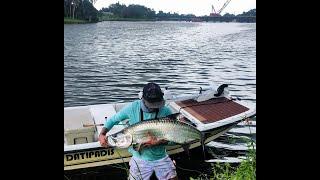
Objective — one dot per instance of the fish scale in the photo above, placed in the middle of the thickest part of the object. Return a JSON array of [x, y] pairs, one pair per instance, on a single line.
[[165, 128]]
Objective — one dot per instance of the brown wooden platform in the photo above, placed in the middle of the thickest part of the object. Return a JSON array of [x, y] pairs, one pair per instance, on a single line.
[[212, 110]]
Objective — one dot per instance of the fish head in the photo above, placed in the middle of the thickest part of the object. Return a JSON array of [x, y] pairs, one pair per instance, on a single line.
[[120, 140]]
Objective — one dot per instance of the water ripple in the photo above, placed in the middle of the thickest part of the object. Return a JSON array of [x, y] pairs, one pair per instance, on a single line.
[[111, 61]]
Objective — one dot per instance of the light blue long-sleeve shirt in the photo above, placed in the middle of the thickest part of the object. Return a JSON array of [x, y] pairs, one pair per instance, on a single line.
[[132, 112]]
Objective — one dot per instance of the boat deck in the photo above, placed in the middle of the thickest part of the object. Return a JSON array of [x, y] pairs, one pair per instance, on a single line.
[[212, 110]]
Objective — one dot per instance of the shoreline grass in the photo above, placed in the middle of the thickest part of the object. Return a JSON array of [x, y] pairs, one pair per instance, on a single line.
[[245, 170], [124, 19], [74, 21]]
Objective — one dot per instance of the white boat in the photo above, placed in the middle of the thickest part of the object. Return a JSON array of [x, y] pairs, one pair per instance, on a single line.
[[247, 123], [227, 160], [213, 115], [243, 130], [233, 147]]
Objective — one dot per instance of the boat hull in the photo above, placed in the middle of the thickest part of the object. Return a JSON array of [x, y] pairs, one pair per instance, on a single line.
[[100, 156]]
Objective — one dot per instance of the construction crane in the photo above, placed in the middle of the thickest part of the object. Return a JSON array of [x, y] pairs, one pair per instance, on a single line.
[[218, 13]]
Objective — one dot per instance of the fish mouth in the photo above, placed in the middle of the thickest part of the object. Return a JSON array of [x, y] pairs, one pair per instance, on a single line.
[[120, 140]]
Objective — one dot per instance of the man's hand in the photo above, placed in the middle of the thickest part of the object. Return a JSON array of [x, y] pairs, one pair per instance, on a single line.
[[153, 141], [103, 140]]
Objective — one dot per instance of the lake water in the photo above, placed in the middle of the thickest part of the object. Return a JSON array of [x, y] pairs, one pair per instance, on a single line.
[[110, 62]]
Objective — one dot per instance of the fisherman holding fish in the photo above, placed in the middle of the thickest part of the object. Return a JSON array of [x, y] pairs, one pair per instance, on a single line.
[[151, 156]]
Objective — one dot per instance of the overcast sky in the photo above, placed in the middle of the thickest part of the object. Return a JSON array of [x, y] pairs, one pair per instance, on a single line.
[[196, 7]]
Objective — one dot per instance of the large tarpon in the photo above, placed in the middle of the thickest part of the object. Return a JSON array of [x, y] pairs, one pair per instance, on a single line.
[[168, 128]]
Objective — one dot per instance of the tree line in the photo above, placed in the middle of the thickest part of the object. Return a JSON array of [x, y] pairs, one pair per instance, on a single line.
[[251, 13], [139, 11], [81, 9], [84, 10]]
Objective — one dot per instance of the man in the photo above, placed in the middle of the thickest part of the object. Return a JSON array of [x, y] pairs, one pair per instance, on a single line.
[[153, 156]]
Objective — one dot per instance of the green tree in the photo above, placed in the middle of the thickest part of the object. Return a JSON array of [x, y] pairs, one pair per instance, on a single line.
[[81, 9], [228, 15], [89, 12], [252, 12], [135, 11], [75, 4], [117, 8]]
